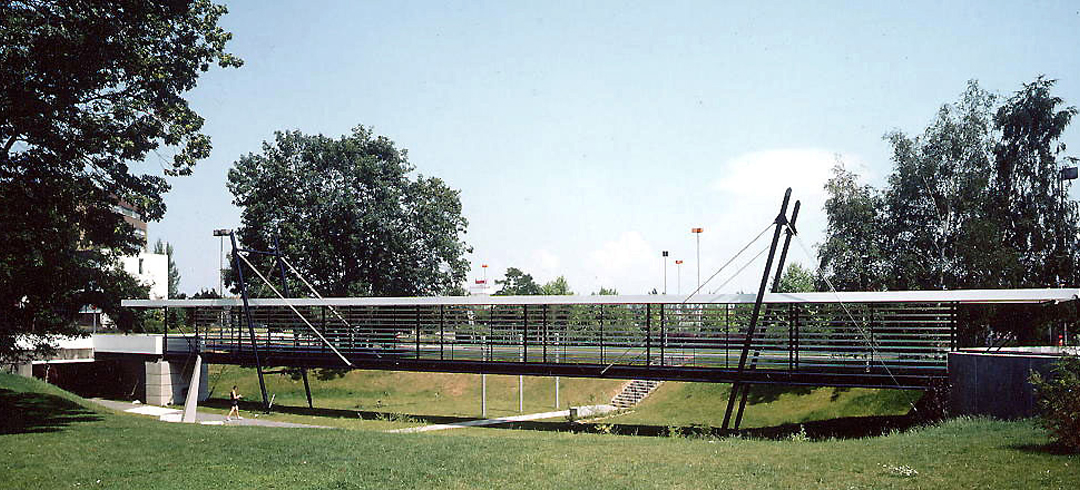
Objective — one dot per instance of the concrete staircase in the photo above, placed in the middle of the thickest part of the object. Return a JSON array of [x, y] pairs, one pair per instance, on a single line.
[[633, 392]]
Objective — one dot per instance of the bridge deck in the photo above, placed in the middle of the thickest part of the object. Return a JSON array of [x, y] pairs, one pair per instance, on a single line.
[[897, 339]]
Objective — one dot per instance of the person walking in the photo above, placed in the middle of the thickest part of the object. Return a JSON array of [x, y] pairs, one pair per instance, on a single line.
[[235, 397]]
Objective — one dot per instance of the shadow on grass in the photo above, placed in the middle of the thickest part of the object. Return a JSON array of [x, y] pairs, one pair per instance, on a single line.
[[1048, 448], [339, 413], [839, 428], [769, 393], [37, 412]]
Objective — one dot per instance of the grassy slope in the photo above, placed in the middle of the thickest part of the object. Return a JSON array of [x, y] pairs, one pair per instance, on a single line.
[[416, 393], [130, 452], [431, 396], [704, 404]]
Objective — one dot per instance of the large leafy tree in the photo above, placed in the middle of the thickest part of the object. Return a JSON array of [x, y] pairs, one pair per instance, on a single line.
[[349, 215], [851, 256], [974, 201], [518, 283], [88, 89]]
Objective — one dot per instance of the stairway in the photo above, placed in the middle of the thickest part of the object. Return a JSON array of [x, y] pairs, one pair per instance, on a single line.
[[633, 392]]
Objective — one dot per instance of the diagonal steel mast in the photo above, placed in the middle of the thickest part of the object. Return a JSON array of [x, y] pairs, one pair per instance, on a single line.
[[781, 221]]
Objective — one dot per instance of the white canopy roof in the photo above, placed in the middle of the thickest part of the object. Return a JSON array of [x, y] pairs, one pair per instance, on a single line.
[[957, 296]]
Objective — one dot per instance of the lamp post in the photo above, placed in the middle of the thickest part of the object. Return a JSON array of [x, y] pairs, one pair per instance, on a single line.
[[678, 272], [664, 254], [221, 233], [697, 234], [1067, 173]]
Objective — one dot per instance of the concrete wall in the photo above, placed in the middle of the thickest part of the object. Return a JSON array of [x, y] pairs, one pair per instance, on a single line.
[[167, 382], [994, 384]]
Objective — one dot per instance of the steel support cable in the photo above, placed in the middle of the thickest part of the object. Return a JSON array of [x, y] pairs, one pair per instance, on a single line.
[[733, 276], [291, 307], [732, 259], [858, 325], [321, 298], [714, 274]]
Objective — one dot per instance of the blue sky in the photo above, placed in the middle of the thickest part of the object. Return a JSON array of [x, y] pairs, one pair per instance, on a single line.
[[586, 137]]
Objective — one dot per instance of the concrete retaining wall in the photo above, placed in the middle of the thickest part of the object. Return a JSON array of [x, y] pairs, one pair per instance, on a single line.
[[995, 384], [167, 382]]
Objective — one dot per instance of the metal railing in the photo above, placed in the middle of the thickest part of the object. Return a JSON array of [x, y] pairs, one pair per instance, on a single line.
[[911, 338]]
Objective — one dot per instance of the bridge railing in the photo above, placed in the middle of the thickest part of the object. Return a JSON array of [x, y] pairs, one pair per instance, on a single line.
[[802, 337]]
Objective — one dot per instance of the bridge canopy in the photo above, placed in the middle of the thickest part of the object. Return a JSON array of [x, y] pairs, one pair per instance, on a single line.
[[885, 339], [964, 296]]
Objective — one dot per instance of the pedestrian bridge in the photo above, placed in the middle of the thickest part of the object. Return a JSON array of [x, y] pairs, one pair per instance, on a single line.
[[848, 339]]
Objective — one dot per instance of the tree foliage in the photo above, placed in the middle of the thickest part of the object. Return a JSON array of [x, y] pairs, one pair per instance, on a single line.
[[349, 216], [974, 201], [796, 279], [174, 272], [87, 88], [556, 287], [1058, 398], [517, 283]]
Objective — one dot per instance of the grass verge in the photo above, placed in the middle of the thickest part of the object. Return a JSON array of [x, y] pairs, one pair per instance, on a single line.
[[97, 449]]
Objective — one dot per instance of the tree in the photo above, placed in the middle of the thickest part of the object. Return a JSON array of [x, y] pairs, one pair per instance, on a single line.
[[556, 287], [974, 201], [517, 283], [87, 89], [174, 272], [349, 216], [939, 225], [852, 254], [796, 279], [1030, 200]]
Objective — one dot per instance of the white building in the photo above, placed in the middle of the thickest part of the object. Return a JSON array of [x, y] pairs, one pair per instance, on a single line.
[[150, 270]]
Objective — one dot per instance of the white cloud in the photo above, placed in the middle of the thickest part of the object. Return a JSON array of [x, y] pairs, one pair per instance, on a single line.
[[749, 191], [626, 263]]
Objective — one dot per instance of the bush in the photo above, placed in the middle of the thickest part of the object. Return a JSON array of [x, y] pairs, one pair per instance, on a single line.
[[1058, 398]]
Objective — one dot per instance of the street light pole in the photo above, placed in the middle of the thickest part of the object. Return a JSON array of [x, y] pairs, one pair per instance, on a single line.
[[664, 254], [697, 234], [678, 271]]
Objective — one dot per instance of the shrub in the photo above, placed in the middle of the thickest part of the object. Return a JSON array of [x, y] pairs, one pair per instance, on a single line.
[[1058, 398]]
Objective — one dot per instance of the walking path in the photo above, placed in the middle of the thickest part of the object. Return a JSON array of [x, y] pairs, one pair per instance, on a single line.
[[581, 412], [205, 418]]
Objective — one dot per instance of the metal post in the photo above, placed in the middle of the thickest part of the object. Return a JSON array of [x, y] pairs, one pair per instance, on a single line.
[[601, 334], [781, 220], [663, 334], [698, 235], [250, 322], [648, 334], [543, 320], [556, 392], [307, 388], [776, 282], [442, 330]]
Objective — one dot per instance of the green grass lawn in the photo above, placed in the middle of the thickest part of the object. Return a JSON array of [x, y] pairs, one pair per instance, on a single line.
[[383, 399], [49, 439], [380, 400]]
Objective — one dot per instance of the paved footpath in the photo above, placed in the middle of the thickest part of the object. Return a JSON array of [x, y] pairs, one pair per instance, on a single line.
[[173, 415], [582, 412]]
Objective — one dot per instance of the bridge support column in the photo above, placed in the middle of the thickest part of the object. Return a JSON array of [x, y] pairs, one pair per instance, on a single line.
[[24, 370], [167, 382]]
